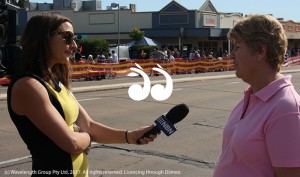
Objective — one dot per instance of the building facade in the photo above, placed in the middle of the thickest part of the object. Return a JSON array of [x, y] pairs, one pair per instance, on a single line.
[[174, 25]]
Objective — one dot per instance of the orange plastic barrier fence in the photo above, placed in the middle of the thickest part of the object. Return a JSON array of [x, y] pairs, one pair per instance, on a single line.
[[291, 61], [179, 65], [85, 69], [4, 80]]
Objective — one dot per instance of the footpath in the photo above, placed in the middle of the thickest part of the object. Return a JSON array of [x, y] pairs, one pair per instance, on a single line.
[[80, 86]]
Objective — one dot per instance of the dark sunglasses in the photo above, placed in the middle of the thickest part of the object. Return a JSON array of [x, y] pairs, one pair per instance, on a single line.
[[68, 36]]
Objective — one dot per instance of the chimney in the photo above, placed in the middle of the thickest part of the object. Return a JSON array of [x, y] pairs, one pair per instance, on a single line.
[[132, 7]]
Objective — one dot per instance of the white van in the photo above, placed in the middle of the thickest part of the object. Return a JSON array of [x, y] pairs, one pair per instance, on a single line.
[[124, 52]]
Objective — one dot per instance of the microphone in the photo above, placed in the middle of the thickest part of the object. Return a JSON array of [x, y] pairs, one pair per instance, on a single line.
[[166, 122]]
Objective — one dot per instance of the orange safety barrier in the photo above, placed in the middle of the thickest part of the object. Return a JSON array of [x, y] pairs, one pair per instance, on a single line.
[[291, 61], [87, 69], [84, 69], [4, 80]]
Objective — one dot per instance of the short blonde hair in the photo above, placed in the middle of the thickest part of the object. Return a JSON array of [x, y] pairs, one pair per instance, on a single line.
[[262, 30]]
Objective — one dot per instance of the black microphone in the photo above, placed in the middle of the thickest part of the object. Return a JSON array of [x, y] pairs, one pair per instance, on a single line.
[[166, 122]]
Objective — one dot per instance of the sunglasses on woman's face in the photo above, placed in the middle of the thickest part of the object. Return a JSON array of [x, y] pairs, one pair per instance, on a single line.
[[68, 36]]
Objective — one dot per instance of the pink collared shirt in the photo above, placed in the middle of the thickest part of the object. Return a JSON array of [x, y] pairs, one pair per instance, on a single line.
[[266, 136]]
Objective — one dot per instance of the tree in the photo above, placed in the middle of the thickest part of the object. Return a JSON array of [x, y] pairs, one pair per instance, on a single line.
[[93, 47], [21, 3], [136, 34]]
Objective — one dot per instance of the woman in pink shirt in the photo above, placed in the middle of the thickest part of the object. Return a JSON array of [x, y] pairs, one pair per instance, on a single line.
[[262, 135]]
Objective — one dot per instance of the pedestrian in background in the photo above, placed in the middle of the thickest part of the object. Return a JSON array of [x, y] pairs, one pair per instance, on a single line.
[[114, 56]]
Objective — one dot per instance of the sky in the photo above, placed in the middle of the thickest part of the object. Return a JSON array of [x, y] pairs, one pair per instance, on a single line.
[[287, 9]]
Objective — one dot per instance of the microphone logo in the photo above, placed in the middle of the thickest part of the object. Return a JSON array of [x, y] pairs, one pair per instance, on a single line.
[[165, 125], [158, 91]]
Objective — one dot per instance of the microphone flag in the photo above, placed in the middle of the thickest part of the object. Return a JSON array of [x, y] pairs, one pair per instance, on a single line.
[[165, 125]]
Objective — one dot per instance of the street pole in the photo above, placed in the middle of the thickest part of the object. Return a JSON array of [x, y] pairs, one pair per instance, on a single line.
[[118, 33], [114, 5]]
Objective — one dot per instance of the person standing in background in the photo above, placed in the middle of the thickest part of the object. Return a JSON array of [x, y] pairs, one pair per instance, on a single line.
[[114, 57], [143, 54]]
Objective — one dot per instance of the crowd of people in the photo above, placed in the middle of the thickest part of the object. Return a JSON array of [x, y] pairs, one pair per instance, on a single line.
[[111, 57], [166, 54], [292, 53], [163, 53]]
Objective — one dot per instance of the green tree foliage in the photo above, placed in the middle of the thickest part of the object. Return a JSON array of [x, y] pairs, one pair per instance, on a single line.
[[93, 47], [136, 34], [19, 3]]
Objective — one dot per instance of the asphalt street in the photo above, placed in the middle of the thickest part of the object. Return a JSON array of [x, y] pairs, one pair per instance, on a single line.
[[192, 151]]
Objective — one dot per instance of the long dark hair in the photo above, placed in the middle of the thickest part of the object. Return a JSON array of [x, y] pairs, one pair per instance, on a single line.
[[36, 52]]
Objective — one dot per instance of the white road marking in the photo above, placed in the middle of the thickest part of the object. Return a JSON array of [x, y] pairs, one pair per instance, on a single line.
[[233, 82], [177, 89], [22, 158], [89, 99], [14, 160]]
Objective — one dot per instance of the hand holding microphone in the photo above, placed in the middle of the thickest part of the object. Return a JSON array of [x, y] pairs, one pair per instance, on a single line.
[[166, 122]]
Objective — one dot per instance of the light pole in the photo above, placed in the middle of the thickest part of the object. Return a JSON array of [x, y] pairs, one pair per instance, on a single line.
[[114, 5]]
